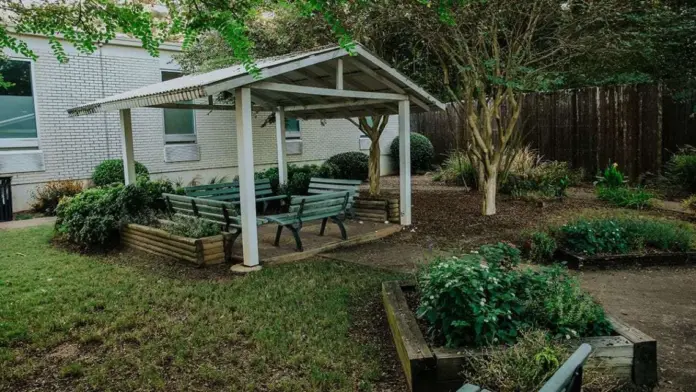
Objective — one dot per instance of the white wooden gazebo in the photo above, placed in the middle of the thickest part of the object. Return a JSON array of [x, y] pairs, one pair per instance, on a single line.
[[321, 84]]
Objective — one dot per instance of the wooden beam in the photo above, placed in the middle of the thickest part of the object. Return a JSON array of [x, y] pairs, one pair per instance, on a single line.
[[373, 74], [334, 105], [326, 92], [405, 162], [127, 146], [339, 74], [193, 106]]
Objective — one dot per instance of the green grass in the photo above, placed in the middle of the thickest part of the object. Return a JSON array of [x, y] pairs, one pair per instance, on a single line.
[[125, 323]]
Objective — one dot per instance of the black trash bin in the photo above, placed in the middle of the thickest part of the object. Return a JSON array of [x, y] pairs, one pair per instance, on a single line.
[[5, 199]]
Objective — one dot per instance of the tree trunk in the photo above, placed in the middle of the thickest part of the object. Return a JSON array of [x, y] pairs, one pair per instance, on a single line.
[[374, 166], [490, 190]]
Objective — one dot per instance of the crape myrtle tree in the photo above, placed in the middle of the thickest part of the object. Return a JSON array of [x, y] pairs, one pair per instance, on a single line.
[[484, 54]]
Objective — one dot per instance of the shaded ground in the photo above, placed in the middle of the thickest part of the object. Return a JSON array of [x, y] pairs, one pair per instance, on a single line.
[[662, 303]]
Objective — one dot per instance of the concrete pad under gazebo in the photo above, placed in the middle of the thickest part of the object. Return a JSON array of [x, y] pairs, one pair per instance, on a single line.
[[321, 84]]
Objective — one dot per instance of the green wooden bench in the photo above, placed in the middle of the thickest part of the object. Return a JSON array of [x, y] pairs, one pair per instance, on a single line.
[[223, 213], [230, 192], [324, 207], [318, 186]]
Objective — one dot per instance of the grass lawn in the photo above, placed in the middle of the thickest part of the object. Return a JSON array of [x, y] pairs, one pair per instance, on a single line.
[[72, 322]]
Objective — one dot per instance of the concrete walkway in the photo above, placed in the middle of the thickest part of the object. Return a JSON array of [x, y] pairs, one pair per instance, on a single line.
[[21, 224]]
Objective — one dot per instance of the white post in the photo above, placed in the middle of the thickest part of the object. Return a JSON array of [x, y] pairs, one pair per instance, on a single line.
[[127, 146], [339, 74], [280, 142], [405, 162], [245, 154]]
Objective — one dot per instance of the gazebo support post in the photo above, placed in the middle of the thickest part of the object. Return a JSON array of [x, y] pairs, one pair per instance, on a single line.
[[405, 162], [280, 142], [245, 154], [127, 146]]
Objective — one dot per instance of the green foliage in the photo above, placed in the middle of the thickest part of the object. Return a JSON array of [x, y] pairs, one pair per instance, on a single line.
[[626, 197], [110, 172], [458, 170], [690, 203], [349, 165], [298, 178], [528, 175], [47, 197], [611, 177], [540, 247], [625, 235], [681, 169], [422, 152], [469, 300], [92, 218], [154, 190], [192, 227]]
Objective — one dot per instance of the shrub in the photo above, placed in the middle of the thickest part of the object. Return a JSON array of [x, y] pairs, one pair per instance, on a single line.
[[154, 190], [47, 197], [469, 302], [350, 165], [681, 169], [625, 197], [422, 152], [540, 247], [458, 170], [298, 178], [501, 255], [110, 171], [192, 227], [530, 174], [624, 235], [611, 177], [94, 216], [690, 203]]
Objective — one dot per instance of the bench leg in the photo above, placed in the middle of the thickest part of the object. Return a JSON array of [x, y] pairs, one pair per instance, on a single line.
[[229, 243], [296, 234], [323, 226], [341, 227], [277, 240]]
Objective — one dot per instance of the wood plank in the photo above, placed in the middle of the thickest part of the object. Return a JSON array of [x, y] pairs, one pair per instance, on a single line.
[[159, 251], [320, 180], [644, 352], [160, 233], [158, 241], [326, 92]]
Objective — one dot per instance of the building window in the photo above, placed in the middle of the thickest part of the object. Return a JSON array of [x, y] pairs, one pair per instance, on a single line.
[[17, 110], [179, 124], [292, 128]]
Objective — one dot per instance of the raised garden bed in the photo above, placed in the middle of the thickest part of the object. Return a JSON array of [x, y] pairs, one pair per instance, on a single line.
[[576, 261], [377, 209], [200, 251], [629, 354]]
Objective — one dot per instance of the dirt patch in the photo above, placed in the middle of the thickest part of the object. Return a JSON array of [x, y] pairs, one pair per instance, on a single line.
[[662, 303], [64, 351]]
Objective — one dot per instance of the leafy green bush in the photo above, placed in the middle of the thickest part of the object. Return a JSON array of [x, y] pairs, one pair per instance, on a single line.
[[458, 170], [548, 179], [298, 179], [681, 169], [502, 255], [110, 171], [422, 152], [611, 177], [350, 165], [47, 197], [93, 217], [192, 227], [154, 190], [624, 235], [468, 301], [540, 247], [625, 197]]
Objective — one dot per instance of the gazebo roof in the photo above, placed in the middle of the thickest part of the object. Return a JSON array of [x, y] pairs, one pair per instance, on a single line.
[[309, 85]]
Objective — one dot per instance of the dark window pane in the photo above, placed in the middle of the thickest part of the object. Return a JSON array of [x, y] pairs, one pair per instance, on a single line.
[[292, 127], [17, 116], [178, 121]]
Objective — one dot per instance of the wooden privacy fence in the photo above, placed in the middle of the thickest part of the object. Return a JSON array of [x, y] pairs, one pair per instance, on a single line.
[[636, 126]]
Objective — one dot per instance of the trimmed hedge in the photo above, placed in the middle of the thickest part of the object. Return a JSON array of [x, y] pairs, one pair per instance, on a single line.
[[110, 172], [422, 152], [348, 165]]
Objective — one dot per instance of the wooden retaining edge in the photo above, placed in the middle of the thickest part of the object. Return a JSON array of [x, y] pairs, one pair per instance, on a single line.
[[310, 253], [160, 233], [160, 240], [190, 251], [159, 251], [575, 261], [416, 358], [632, 354]]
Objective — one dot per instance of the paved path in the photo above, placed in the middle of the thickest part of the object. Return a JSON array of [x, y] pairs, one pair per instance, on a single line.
[[21, 224]]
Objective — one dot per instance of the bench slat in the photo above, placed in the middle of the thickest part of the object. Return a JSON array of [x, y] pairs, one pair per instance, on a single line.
[[313, 198], [319, 187], [335, 181]]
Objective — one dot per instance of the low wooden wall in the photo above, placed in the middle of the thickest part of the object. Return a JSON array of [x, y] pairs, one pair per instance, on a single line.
[[630, 354], [575, 261], [200, 251], [377, 209]]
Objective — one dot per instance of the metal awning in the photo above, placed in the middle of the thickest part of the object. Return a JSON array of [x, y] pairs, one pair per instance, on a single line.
[[306, 84]]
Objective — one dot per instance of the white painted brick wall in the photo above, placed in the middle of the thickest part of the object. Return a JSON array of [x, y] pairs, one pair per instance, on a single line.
[[73, 146]]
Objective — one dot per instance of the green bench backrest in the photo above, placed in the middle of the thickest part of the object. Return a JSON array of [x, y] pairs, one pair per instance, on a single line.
[[223, 213], [319, 206], [318, 186], [228, 191]]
